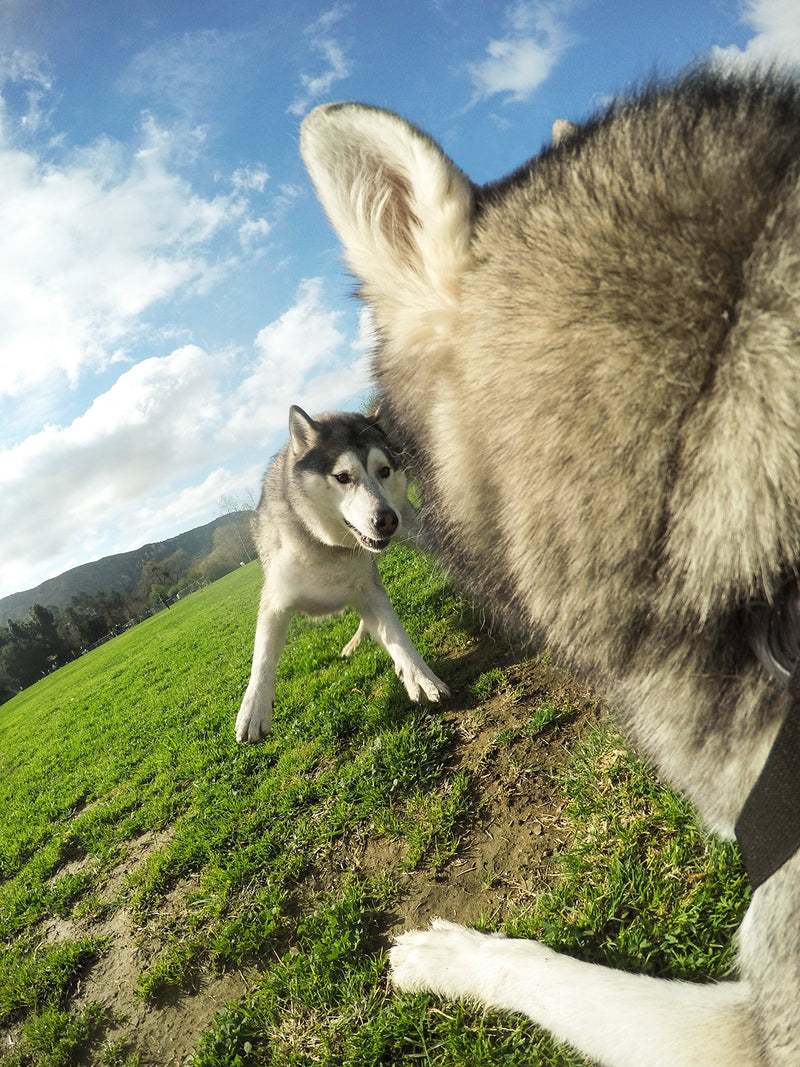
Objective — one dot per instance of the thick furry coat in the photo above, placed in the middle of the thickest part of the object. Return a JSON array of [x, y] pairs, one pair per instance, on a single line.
[[595, 364], [332, 500]]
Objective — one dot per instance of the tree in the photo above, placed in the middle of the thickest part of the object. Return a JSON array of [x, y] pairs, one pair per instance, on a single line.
[[226, 554], [239, 509], [31, 648], [46, 629], [88, 619]]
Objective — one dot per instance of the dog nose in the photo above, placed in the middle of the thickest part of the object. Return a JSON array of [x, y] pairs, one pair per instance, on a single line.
[[385, 522]]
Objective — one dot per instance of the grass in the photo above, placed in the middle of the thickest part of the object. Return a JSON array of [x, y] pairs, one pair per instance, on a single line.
[[639, 843], [124, 797]]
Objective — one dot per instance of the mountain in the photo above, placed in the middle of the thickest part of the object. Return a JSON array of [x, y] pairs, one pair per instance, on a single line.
[[112, 574]]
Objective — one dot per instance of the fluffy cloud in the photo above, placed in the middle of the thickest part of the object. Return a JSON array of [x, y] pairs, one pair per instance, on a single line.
[[184, 72], [155, 452], [337, 66], [777, 35], [28, 73], [156, 422], [92, 242], [182, 509], [519, 63], [303, 357]]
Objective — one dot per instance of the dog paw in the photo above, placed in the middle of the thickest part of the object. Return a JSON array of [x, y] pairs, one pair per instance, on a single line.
[[422, 686], [435, 689], [253, 721], [444, 959]]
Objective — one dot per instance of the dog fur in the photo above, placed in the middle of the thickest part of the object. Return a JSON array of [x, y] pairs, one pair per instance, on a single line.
[[595, 365], [333, 499]]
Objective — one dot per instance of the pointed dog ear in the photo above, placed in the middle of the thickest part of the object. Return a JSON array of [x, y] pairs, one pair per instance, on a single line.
[[377, 419], [402, 209], [562, 130], [303, 431]]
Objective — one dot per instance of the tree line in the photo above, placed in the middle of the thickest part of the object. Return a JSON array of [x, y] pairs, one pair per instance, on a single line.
[[50, 637]]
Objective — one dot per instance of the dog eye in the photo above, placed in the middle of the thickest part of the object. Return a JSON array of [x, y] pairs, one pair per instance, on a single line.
[[343, 477], [384, 472]]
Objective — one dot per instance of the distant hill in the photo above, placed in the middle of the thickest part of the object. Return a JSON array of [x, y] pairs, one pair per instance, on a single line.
[[112, 574]]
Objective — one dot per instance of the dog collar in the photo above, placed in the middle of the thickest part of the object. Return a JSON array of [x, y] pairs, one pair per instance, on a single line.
[[768, 827]]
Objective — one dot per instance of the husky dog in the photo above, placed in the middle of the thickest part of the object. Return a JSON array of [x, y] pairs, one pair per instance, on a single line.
[[620, 321], [333, 499]]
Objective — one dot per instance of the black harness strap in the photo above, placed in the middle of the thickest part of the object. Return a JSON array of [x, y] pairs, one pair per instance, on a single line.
[[768, 827]]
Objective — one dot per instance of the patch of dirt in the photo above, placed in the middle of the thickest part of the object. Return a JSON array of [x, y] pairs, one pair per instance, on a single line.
[[506, 851], [162, 1034], [504, 857]]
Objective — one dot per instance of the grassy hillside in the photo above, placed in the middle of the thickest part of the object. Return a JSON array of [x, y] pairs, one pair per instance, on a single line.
[[170, 897], [112, 574]]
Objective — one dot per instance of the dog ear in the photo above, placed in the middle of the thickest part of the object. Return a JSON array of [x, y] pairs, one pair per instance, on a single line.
[[303, 431], [377, 419], [402, 209], [562, 130]]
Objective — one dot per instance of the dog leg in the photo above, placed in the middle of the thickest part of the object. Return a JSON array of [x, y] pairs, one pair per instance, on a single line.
[[614, 1018], [355, 640], [255, 714], [381, 620]]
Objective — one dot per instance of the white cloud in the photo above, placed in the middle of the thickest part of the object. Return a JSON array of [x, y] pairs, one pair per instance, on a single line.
[[90, 244], [27, 73], [303, 347], [250, 179], [338, 66], [63, 484], [97, 237], [184, 72], [777, 35], [163, 515], [173, 398], [154, 453], [146, 428], [518, 63], [254, 230]]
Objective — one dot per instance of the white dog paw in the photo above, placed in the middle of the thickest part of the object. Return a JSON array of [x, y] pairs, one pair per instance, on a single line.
[[423, 685], [444, 959], [435, 689], [253, 721]]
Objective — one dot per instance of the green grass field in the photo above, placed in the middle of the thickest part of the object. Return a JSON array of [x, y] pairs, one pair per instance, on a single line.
[[168, 896]]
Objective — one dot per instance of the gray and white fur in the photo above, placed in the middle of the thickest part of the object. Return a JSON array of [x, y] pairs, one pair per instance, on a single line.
[[333, 499], [595, 365]]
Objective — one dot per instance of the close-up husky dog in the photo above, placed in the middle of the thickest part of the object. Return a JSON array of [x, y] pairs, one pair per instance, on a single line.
[[595, 366], [332, 500]]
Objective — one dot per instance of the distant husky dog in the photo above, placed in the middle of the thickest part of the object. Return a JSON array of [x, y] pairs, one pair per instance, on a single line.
[[333, 499], [595, 364]]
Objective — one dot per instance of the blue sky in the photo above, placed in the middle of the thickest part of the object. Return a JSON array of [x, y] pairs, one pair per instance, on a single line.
[[168, 282]]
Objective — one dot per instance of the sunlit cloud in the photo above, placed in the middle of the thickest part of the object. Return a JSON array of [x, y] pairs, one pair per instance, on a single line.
[[518, 63], [308, 342], [28, 74], [337, 66], [155, 448], [90, 244], [250, 179], [183, 73], [776, 40]]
